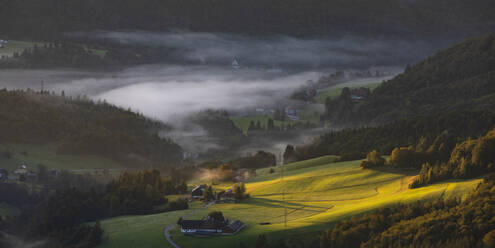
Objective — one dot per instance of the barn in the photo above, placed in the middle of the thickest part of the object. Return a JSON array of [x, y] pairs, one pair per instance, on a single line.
[[209, 226], [197, 192]]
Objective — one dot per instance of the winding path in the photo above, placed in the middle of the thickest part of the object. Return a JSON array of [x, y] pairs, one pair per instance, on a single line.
[[169, 228]]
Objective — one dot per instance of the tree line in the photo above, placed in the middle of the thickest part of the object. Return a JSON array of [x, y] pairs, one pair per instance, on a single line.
[[87, 54], [61, 214], [51, 18], [441, 159], [80, 126]]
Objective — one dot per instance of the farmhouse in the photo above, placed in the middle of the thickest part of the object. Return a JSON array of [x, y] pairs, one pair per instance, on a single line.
[[235, 64], [4, 174], [361, 93], [210, 226], [197, 192], [291, 114], [227, 196]]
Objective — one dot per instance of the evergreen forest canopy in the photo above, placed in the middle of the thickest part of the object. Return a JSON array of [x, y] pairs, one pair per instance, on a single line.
[[450, 92], [81, 126]]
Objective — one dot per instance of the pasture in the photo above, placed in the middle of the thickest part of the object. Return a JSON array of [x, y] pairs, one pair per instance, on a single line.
[[334, 91], [34, 154], [315, 193], [310, 113]]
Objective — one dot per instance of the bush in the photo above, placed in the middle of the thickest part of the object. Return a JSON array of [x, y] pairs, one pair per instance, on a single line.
[[178, 204], [217, 215], [373, 159]]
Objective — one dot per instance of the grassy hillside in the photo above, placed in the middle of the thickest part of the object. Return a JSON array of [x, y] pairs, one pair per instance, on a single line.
[[317, 192], [141, 231], [34, 154], [334, 91]]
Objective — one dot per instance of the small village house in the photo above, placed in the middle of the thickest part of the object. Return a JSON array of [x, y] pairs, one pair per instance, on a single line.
[[4, 174], [197, 192]]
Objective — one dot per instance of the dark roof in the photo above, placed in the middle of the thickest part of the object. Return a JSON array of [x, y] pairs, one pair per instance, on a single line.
[[201, 224], [236, 225], [198, 190]]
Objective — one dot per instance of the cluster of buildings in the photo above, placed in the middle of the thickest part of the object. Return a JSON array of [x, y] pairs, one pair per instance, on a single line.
[[361, 93], [209, 227], [23, 173], [3, 43]]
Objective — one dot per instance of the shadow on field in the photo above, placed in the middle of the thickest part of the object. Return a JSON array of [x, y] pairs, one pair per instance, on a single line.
[[402, 171], [271, 203]]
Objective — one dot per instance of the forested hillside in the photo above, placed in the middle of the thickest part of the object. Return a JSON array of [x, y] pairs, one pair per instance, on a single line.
[[49, 18], [439, 224], [80, 126], [451, 92], [459, 78]]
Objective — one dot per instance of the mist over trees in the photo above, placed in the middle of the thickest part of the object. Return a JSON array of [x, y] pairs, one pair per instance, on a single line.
[[450, 92], [80, 126]]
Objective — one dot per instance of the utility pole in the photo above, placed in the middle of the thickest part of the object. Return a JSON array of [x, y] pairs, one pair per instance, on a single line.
[[283, 188]]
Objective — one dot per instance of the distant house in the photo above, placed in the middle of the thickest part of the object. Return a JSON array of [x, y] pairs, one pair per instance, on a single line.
[[291, 114], [235, 64], [31, 176], [197, 192], [4, 174], [209, 226], [227, 196], [22, 170], [361, 93]]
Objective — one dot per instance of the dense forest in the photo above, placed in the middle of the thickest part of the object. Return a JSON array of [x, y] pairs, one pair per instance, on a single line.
[[456, 79], [355, 143], [80, 126], [60, 213], [50, 18], [90, 55], [471, 158], [440, 158], [450, 92]]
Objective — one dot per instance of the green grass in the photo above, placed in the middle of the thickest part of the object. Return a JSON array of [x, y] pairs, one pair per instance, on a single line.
[[141, 231], [318, 192], [17, 46], [34, 154], [334, 91]]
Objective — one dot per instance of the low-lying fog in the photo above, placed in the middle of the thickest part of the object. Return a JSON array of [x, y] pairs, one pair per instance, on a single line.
[[270, 69]]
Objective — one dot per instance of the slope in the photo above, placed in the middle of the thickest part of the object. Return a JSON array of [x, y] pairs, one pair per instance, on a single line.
[[316, 195]]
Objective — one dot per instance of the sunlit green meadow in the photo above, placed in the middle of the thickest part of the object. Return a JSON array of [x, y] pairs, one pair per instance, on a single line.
[[314, 193]]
